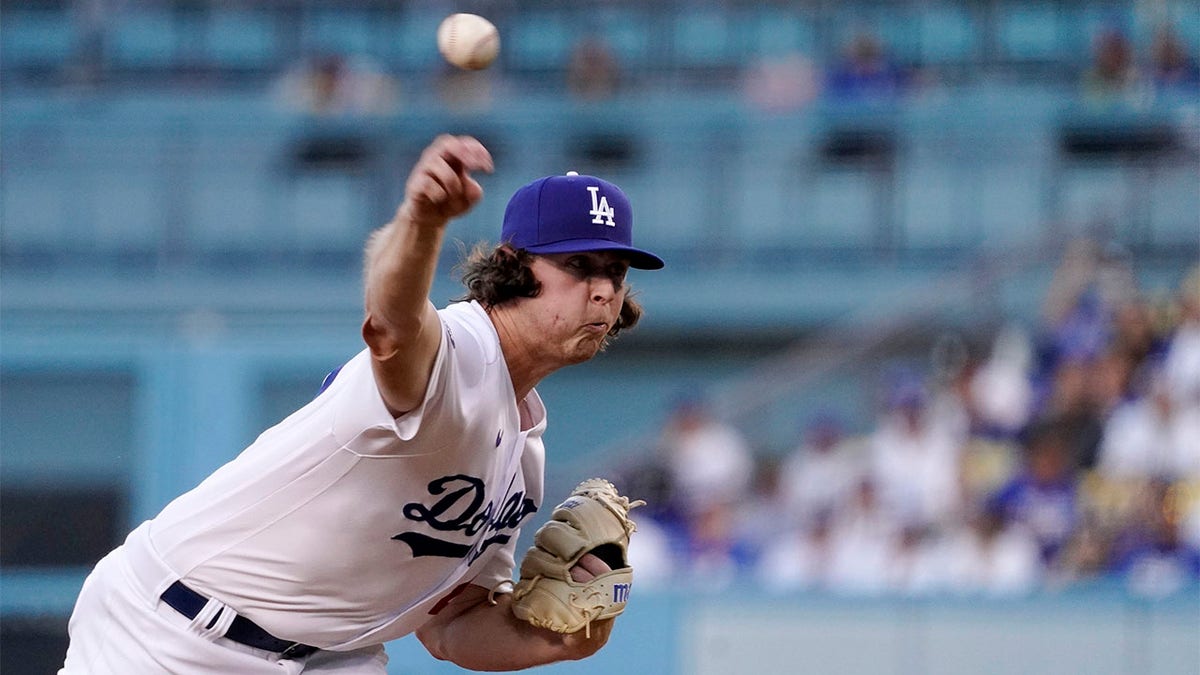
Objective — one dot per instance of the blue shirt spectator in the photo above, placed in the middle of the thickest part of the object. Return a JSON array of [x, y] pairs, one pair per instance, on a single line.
[[1043, 495]]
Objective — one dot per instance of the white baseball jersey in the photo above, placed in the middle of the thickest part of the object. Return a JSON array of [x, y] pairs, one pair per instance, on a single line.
[[343, 526]]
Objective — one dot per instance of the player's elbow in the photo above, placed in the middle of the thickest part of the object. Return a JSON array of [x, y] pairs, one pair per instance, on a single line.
[[434, 642]]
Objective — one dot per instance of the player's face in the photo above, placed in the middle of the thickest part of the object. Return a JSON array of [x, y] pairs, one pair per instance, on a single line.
[[581, 298]]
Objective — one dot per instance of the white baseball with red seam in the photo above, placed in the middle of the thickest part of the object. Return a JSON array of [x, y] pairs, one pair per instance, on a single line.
[[468, 41]]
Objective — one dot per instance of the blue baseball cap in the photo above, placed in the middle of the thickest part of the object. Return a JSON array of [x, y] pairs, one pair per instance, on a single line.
[[572, 213]]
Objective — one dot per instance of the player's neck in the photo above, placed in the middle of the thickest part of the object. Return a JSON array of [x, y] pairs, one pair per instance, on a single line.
[[526, 365]]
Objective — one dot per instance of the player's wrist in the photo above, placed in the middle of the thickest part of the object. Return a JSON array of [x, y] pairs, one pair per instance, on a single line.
[[412, 215]]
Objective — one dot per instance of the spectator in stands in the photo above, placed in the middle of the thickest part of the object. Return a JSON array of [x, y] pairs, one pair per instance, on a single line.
[[1113, 74], [1079, 376], [865, 72], [593, 73], [653, 552], [757, 517], [916, 563], [863, 533], [1181, 360], [782, 84], [1171, 66], [801, 558], [708, 461], [718, 553], [1152, 436], [332, 85], [1071, 406], [1000, 389], [1043, 496], [818, 475], [992, 554], [1088, 552], [1155, 558], [915, 458], [1134, 336]]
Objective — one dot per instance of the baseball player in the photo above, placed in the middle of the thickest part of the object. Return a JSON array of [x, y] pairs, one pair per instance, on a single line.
[[392, 502]]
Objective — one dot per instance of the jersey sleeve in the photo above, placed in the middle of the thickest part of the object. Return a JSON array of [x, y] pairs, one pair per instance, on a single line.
[[359, 405], [458, 368]]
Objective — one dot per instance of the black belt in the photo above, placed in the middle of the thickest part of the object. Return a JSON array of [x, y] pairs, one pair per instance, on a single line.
[[241, 630]]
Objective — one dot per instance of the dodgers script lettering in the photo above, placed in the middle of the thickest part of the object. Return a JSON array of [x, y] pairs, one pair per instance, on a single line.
[[461, 508]]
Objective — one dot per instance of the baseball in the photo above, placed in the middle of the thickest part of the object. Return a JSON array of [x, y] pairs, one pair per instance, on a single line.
[[468, 41]]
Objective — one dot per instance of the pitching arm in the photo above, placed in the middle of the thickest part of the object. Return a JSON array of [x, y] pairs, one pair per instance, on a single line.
[[401, 327]]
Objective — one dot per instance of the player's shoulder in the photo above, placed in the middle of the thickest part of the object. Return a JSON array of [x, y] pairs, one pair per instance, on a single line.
[[469, 331]]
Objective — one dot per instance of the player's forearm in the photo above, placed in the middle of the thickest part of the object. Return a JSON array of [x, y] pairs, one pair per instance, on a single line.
[[488, 637], [401, 262]]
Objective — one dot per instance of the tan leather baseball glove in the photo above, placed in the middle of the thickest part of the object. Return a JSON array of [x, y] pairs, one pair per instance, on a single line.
[[593, 519]]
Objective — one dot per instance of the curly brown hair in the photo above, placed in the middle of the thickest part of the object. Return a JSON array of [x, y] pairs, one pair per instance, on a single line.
[[496, 275]]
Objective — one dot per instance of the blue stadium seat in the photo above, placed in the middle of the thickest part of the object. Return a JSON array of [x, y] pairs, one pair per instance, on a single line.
[[410, 40], [325, 213], [950, 34], [346, 31], [35, 38], [148, 38], [1185, 18], [537, 41], [1095, 195], [930, 209], [1008, 205], [241, 38], [703, 39], [123, 212], [1174, 207], [776, 31], [35, 215], [232, 212], [843, 213], [1030, 32], [631, 35]]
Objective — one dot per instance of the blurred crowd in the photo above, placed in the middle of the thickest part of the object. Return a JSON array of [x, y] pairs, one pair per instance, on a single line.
[[1069, 452]]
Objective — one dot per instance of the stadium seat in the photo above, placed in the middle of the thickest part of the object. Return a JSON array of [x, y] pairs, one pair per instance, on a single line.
[[930, 201], [1174, 206], [949, 35], [149, 38], [703, 39], [35, 39], [1030, 33], [325, 213], [412, 40], [243, 39], [35, 215], [540, 41], [769, 32], [348, 31], [232, 213], [631, 35]]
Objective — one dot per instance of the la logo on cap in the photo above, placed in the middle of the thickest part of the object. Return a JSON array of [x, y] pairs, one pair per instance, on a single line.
[[600, 208], [602, 213]]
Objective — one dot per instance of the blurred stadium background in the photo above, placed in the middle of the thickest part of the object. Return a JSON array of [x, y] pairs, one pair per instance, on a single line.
[[1007, 187]]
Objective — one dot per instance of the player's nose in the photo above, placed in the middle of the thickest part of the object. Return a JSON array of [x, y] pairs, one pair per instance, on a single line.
[[603, 289]]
